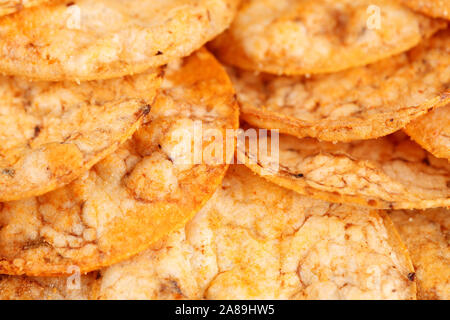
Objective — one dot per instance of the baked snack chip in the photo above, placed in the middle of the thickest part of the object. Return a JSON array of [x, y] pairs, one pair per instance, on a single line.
[[99, 39], [135, 196], [432, 132], [361, 103], [296, 37], [427, 237], [255, 240], [385, 173], [52, 132]]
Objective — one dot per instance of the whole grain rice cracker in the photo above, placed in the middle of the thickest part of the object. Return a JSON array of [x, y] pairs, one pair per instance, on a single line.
[[389, 172], [255, 240], [361, 103], [98, 39], [52, 132], [135, 196]]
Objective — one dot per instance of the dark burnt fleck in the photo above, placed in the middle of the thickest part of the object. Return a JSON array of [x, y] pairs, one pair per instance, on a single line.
[[146, 110], [37, 131], [411, 276], [71, 3], [9, 172], [158, 53], [299, 175]]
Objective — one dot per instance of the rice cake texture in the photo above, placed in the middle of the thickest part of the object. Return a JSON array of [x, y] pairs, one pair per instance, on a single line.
[[294, 37], [361, 103], [427, 237], [91, 40], [392, 172], [134, 196], [255, 240], [52, 132]]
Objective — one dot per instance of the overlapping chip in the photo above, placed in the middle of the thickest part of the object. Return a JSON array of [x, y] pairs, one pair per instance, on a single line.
[[427, 236], [146, 189], [389, 172], [309, 37], [361, 103], [52, 132], [432, 132], [255, 240], [106, 38]]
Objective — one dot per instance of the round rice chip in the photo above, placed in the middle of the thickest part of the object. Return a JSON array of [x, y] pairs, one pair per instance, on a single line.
[[135, 196], [52, 132], [39, 288], [432, 8], [392, 172], [11, 6], [255, 240], [296, 37], [101, 39], [427, 236], [432, 132], [361, 103]]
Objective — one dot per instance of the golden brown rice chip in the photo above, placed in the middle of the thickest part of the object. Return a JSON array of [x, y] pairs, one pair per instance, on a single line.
[[52, 132], [432, 8], [361, 103], [255, 240], [432, 132], [101, 39], [135, 196], [296, 37], [11, 6], [392, 172], [427, 236], [38, 288]]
